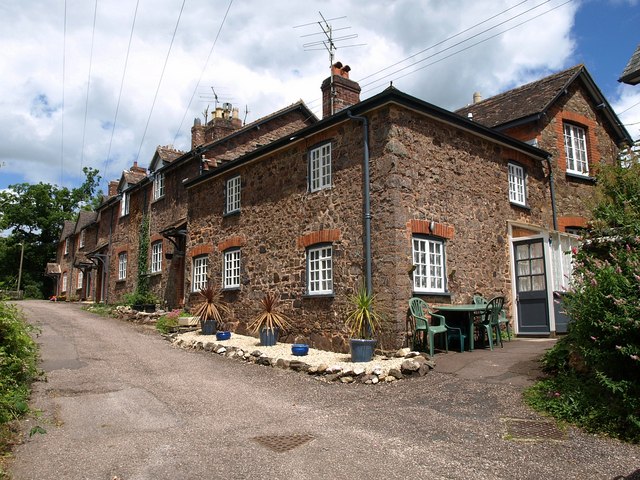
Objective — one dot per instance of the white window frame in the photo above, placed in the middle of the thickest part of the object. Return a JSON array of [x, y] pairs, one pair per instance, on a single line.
[[158, 185], [80, 279], [231, 269], [320, 167], [233, 191], [64, 282], [320, 270], [122, 266], [429, 260], [575, 149], [156, 256], [124, 204], [200, 272], [517, 184], [82, 238], [66, 246]]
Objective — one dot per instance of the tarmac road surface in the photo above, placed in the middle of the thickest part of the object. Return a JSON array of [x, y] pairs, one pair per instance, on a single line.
[[120, 402]]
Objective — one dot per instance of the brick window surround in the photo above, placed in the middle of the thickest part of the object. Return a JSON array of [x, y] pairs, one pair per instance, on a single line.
[[232, 242], [569, 221], [319, 236], [198, 250], [589, 125], [426, 227]]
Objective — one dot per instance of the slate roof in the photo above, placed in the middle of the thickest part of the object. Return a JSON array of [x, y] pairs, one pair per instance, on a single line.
[[131, 177], [163, 156], [631, 73], [53, 269], [521, 102], [85, 218], [67, 229], [236, 150], [529, 102]]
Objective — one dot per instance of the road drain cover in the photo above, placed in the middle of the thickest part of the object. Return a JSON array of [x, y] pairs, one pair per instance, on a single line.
[[532, 430], [283, 443]]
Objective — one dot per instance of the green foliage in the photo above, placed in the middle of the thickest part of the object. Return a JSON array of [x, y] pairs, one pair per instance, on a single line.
[[99, 309], [18, 362], [168, 322], [35, 214], [212, 305], [142, 287], [137, 298], [269, 317], [365, 317], [596, 368]]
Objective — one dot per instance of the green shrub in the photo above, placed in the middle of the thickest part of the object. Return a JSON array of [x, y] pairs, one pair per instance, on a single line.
[[18, 362], [596, 368], [33, 291], [168, 322]]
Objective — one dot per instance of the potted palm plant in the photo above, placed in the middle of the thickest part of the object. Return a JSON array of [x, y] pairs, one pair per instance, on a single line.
[[363, 321], [210, 309], [269, 323]]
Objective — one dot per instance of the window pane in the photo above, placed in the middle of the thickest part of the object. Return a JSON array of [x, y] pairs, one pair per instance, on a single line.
[[525, 284], [523, 268]]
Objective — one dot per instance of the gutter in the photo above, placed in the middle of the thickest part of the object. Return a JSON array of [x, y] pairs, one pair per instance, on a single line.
[[367, 200], [553, 194]]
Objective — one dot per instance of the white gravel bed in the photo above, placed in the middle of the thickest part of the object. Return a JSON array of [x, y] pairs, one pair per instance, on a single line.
[[314, 358]]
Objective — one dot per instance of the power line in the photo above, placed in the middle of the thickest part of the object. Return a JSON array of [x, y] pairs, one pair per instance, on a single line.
[[470, 38], [86, 103], [64, 61], [124, 72], [627, 109], [443, 41], [203, 69], [160, 81]]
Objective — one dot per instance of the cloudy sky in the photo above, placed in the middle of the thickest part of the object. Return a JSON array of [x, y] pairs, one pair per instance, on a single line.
[[75, 95]]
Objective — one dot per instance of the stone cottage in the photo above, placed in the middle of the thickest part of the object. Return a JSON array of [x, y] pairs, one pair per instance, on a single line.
[[418, 200]]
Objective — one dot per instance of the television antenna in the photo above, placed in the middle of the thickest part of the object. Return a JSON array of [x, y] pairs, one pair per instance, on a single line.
[[328, 43]]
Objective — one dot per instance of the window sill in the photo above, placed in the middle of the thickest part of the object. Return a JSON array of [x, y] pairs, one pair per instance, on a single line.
[[155, 274], [578, 176], [519, 205], [231, 289], [157, 199], [231, 214], [319, 295], [121, 280], [432, 294]]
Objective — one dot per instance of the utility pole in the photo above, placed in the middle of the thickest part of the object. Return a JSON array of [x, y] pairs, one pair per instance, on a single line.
[[20, 269]]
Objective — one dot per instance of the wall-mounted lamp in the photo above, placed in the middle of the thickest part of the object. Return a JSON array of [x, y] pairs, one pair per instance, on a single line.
[[432, 226]]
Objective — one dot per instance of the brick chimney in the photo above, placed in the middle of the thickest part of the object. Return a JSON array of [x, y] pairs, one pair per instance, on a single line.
[[224, 122], [346, 92], [136, 169], [113, 188]]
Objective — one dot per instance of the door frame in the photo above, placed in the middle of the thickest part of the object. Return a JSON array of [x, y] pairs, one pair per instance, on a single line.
[[537, 233]]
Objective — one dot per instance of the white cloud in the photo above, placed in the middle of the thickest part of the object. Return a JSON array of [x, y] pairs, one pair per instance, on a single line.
[[258, 62]]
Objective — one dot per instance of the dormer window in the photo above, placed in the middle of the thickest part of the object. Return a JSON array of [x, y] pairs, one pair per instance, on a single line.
[[124, 204], [158, 186], [66, 246], [82, 238]]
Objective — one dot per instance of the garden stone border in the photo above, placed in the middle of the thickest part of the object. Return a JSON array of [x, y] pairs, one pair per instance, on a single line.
[[414, 364]]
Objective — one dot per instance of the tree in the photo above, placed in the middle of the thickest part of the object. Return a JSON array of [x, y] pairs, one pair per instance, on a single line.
[[34, 214], [597, 365]]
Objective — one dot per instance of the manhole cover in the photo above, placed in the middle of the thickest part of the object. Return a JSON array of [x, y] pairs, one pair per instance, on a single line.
[[283, 443], [532, 430]]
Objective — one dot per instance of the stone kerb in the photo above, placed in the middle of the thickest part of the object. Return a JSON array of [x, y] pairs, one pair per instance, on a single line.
[[383, 369]]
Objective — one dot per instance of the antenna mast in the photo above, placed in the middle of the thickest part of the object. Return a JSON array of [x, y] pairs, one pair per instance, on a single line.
[[328, 44]]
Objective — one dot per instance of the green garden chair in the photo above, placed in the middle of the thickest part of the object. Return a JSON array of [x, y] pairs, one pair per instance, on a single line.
[[502, 318], [419, 311], [490, 321]]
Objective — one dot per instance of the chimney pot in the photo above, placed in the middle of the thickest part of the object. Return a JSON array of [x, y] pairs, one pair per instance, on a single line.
[[477, 97]]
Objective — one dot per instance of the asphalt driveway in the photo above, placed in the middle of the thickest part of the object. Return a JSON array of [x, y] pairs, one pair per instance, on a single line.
[[119, 401]]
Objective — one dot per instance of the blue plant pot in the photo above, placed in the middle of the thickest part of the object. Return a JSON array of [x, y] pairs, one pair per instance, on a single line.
[[224, 335], [268, 337], [208, 327], [299, 349], [362, 350]]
